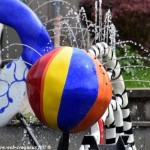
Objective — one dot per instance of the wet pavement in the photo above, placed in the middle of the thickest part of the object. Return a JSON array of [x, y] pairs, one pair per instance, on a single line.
[[15, 135], [49, 139]]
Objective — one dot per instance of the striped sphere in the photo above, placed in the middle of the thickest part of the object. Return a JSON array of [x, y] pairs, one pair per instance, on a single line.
[[68, 89]]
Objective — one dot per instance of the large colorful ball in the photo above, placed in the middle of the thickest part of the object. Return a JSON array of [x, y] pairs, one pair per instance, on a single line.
[[68, 89]]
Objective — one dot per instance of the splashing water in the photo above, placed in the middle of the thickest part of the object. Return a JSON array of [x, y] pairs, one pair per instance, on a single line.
[[66, 28], [68, 25], [74, 29]]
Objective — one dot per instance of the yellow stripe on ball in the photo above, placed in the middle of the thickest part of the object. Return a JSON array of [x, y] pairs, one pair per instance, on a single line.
[[56, 73]]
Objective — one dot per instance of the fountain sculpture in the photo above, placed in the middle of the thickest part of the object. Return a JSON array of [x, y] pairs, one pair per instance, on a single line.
[[56, 88]]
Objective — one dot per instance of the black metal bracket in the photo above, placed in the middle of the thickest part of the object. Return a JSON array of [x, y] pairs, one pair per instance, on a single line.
[[90, 140], [64, 142]]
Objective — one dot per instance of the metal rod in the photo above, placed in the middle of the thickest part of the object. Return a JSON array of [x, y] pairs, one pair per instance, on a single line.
[[64, 142], [32, 137]]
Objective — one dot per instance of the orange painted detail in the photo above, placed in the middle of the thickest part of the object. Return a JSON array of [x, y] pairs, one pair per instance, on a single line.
[[102, 101]]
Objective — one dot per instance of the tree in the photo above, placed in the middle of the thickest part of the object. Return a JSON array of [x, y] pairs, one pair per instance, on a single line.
[[131, 18]]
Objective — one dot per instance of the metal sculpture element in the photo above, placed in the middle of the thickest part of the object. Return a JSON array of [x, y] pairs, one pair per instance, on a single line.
[[36, 42], [68, 89], [31, 135]]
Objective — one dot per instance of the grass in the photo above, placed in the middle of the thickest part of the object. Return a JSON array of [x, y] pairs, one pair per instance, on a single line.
[[29, 117]]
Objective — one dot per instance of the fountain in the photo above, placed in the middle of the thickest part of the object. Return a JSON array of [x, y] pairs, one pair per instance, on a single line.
[[67, 30]]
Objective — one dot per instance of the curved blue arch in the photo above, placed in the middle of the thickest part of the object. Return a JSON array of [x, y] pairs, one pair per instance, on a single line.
[[31, 31]]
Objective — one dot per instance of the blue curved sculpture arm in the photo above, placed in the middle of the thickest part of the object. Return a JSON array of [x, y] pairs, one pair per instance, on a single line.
[[31, 31]]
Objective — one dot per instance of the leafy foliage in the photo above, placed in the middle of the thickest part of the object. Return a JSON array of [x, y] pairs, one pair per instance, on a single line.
[[129, 59]]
